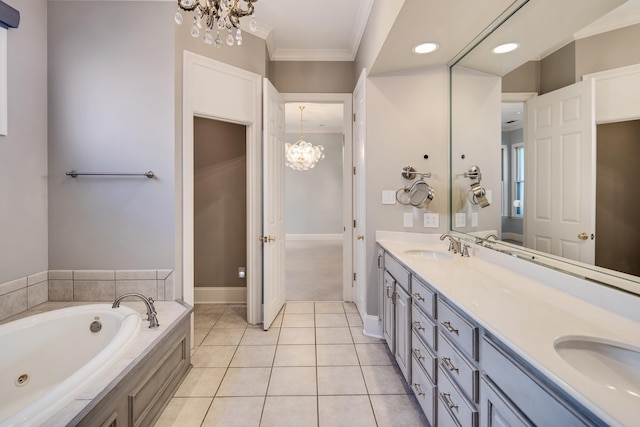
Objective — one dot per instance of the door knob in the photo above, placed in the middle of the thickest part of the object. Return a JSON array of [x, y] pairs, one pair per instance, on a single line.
[[360, 237], [271, 238], [585, 236]]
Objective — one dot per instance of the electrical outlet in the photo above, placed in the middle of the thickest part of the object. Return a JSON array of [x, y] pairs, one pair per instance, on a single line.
[[474, 219], [461, 219], [431, 220], [408, 220]]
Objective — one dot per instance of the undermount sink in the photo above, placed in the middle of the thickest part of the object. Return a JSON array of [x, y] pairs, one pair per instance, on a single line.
[[612, 364], [430, 255]]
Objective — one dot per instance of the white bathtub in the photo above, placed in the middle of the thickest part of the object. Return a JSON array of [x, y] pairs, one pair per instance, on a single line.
[[48, 358]]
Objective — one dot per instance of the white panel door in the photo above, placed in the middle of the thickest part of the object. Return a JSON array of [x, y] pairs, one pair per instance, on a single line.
[[359, 191], [560, 173], [273, 204]]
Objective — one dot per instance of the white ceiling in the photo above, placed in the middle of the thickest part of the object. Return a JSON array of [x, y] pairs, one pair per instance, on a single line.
[[331, 30]]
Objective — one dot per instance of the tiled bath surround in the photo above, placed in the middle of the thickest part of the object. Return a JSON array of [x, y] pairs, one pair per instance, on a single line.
[[21, 294]]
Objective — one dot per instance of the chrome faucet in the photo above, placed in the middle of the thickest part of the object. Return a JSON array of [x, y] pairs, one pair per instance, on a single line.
[[496, 238], [152, 316], [454, 245]]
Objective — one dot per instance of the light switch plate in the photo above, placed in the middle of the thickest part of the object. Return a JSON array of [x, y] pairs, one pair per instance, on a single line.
[[489, 197], [388, 197], [431, 220], [461, 219], [474, 219], [408, 220]]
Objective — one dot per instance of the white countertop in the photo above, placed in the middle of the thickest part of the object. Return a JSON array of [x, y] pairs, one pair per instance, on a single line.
[[528, 314]]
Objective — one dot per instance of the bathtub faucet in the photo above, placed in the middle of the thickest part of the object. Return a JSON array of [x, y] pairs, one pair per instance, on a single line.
[[152, 316]]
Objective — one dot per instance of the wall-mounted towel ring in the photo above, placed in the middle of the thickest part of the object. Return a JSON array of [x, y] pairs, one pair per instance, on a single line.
[[403, 196], [478, 193], [421, 194]]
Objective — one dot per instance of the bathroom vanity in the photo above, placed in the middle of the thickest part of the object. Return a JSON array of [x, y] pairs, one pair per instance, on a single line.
[[492, 340]]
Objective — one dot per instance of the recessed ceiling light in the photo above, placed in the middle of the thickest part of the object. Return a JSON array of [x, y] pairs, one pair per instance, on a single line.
[[426, 47], [505, 48]]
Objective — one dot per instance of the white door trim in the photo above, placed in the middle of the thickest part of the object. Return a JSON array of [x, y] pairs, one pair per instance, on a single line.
[[222, 92], [347, 213]]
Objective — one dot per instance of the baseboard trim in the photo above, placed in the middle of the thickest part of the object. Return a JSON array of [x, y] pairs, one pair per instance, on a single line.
[[313, 237], [228, 295], [372, 326]]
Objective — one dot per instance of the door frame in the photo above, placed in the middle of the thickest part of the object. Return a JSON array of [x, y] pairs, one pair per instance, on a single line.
[[219, 91], [347, 209]]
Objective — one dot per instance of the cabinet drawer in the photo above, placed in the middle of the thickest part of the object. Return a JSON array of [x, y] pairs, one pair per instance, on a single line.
[[533, 400], [458, 329], [461, 371], [455, 403], [424, 356], [399, 273], [423, 326], [424, 390], [423, 297]]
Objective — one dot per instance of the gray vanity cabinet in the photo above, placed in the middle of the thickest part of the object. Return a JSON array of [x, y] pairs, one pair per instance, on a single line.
[[403, 332], [514, 391], [397, 313], [458, 371], [388, 310], [423, 347], [461, 375]]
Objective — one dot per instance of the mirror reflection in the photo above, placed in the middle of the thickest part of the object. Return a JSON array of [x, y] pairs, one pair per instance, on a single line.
[[554, 127]]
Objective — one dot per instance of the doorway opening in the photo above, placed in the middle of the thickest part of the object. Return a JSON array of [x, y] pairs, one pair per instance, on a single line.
[[220, 211], [617, 229], [319, 201], [512, 152], [314, 221]]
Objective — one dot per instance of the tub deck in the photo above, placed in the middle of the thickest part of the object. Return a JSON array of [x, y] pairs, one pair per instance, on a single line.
[[138, 386]]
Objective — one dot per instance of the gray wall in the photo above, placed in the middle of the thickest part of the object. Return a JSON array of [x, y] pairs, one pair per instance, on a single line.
[[220, 203], [313, 76], [313, 198], [111, 109], [407, 117], [23, 152], [568, 64]]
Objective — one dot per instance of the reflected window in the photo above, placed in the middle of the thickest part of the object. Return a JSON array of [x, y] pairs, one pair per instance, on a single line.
[[504, 180], [517, 172]]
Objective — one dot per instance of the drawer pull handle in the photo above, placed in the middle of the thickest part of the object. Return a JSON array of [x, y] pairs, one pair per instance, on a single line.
[[447, 325], [450, 366], [416, 352], [418, 296], [418, 389], [418, 325], [447, 400]]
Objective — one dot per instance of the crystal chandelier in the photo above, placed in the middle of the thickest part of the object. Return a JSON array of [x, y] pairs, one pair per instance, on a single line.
[[302, 155], [218, 15]]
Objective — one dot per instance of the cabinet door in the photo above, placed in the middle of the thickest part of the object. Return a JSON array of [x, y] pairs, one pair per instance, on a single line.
[[403, 332], [388, 320], [496, 409]]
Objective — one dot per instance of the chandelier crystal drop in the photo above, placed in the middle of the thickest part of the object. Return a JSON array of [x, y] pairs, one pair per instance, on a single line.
[[302, 155], [218, 15]]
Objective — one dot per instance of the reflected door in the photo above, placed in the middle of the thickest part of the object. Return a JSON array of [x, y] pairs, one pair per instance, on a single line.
[[560, 173]]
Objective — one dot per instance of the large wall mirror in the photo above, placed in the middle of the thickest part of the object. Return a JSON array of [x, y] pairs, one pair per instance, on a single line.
[[545, 139]]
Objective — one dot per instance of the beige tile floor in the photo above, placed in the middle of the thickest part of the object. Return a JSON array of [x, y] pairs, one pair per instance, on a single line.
[[314, 367]]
